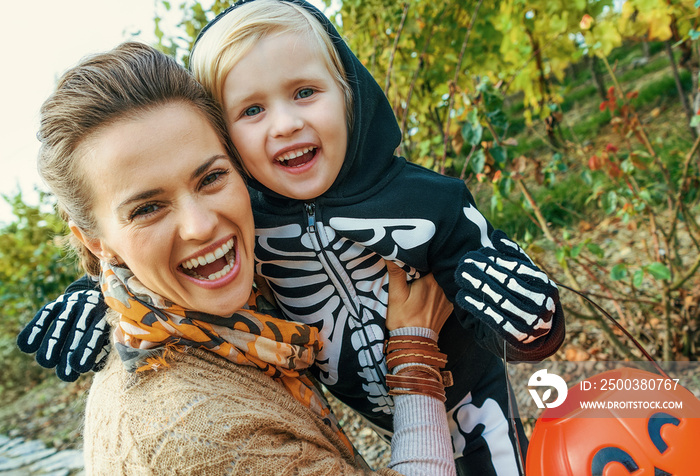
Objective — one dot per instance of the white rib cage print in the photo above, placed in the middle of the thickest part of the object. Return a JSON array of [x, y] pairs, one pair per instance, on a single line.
[[339, 286]]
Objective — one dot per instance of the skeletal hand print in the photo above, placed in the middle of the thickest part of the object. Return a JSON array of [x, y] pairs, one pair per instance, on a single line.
[[70, 333], [502, 287]]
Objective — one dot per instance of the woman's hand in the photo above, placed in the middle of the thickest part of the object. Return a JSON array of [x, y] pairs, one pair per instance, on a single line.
[[422, 303]]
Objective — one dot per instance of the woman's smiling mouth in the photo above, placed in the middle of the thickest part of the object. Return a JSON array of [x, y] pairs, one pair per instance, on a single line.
[[212, 265]]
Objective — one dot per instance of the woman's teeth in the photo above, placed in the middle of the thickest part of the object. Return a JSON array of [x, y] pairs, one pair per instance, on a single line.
[[224, 251], [216, 275]]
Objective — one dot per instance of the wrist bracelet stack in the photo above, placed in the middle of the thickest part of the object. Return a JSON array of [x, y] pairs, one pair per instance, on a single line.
[[418, 363]]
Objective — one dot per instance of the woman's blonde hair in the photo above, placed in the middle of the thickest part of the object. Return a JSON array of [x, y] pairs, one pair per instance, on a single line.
[[232, 35], [122, 83]]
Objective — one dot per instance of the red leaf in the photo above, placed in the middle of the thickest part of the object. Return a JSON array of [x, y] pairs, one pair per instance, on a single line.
[[614, 171], [595, 163]]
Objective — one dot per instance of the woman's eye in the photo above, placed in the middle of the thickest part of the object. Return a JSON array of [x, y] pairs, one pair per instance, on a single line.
[[305, 93], [211, 178], [145, 211], [253, 111], [214, 177]]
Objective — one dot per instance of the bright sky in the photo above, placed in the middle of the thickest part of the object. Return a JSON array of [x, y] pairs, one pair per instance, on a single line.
[[41, 42]]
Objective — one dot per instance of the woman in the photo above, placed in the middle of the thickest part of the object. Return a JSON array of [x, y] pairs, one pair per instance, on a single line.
[[203, 381]]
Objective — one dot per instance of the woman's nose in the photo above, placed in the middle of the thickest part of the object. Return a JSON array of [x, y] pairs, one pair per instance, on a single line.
[[197, 221]]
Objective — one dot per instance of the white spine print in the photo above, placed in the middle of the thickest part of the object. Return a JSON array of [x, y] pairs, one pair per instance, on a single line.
[[324, 279]]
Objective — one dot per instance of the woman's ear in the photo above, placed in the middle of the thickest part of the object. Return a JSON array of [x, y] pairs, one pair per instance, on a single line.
[[95, 245]]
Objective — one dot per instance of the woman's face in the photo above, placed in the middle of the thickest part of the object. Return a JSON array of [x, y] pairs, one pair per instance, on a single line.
[[170, 205]]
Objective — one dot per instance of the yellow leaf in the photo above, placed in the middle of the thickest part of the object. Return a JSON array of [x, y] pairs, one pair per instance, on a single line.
[[660, 31]]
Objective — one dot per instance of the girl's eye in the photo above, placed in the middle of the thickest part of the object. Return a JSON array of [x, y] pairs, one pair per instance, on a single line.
[[253, 111], [305, 93], [144, 211]]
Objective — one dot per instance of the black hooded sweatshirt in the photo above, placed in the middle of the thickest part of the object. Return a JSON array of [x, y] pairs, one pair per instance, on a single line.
[[324, 258]]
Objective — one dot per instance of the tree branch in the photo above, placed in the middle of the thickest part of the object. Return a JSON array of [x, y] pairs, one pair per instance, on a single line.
[[453, 87], [394, 48]]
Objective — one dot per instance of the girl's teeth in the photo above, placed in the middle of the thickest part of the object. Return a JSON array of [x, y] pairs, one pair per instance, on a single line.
[[294, 154]]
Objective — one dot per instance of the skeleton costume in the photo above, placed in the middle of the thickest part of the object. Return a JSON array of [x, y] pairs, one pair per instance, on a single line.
[[324, 260]]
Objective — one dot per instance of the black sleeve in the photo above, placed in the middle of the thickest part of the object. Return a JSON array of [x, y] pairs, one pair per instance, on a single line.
[[85, 283]]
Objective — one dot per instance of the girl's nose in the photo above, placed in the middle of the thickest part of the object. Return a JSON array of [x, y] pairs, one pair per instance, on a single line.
[[285, 122]]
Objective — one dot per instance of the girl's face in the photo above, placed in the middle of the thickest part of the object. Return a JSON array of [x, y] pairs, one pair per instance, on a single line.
[[286, 115], [170, 206]]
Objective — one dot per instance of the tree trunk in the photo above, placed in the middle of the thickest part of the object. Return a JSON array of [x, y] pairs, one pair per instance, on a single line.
[[550, 122], [679, 86], [645, 49], [696, 87], [597, 76]]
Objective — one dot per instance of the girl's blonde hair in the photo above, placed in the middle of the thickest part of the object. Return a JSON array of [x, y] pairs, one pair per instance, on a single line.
[[235, 33], [123, 83]]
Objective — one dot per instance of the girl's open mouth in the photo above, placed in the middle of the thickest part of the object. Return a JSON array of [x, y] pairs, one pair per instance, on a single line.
[[297, 158]]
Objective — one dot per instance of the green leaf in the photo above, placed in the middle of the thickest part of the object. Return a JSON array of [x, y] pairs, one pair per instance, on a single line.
[[505, 186], [472, 133], [499, 154], [477, 161], [498, 119], [561, 256], [618, 272], [576, 250], [611, 202], [658, 270], [638, 278], [595, 249], [496, 203]]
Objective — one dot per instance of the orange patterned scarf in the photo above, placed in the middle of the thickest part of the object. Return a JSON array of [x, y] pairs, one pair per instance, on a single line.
[[151, 326]]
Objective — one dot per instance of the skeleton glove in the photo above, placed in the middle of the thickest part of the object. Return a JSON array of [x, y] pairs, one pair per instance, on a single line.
[[70, 333], [503, 288]]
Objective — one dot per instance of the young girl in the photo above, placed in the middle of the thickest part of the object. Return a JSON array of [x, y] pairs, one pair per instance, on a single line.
[[331, 202]]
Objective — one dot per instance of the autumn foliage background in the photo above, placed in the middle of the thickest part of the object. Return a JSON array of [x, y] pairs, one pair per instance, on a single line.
[[574, 123]]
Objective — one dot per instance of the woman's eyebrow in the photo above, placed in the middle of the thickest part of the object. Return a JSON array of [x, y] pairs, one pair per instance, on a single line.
[[140, 197], [205, 166]]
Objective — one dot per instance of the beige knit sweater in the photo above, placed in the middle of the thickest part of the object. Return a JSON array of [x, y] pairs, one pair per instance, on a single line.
[[205, 416]]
